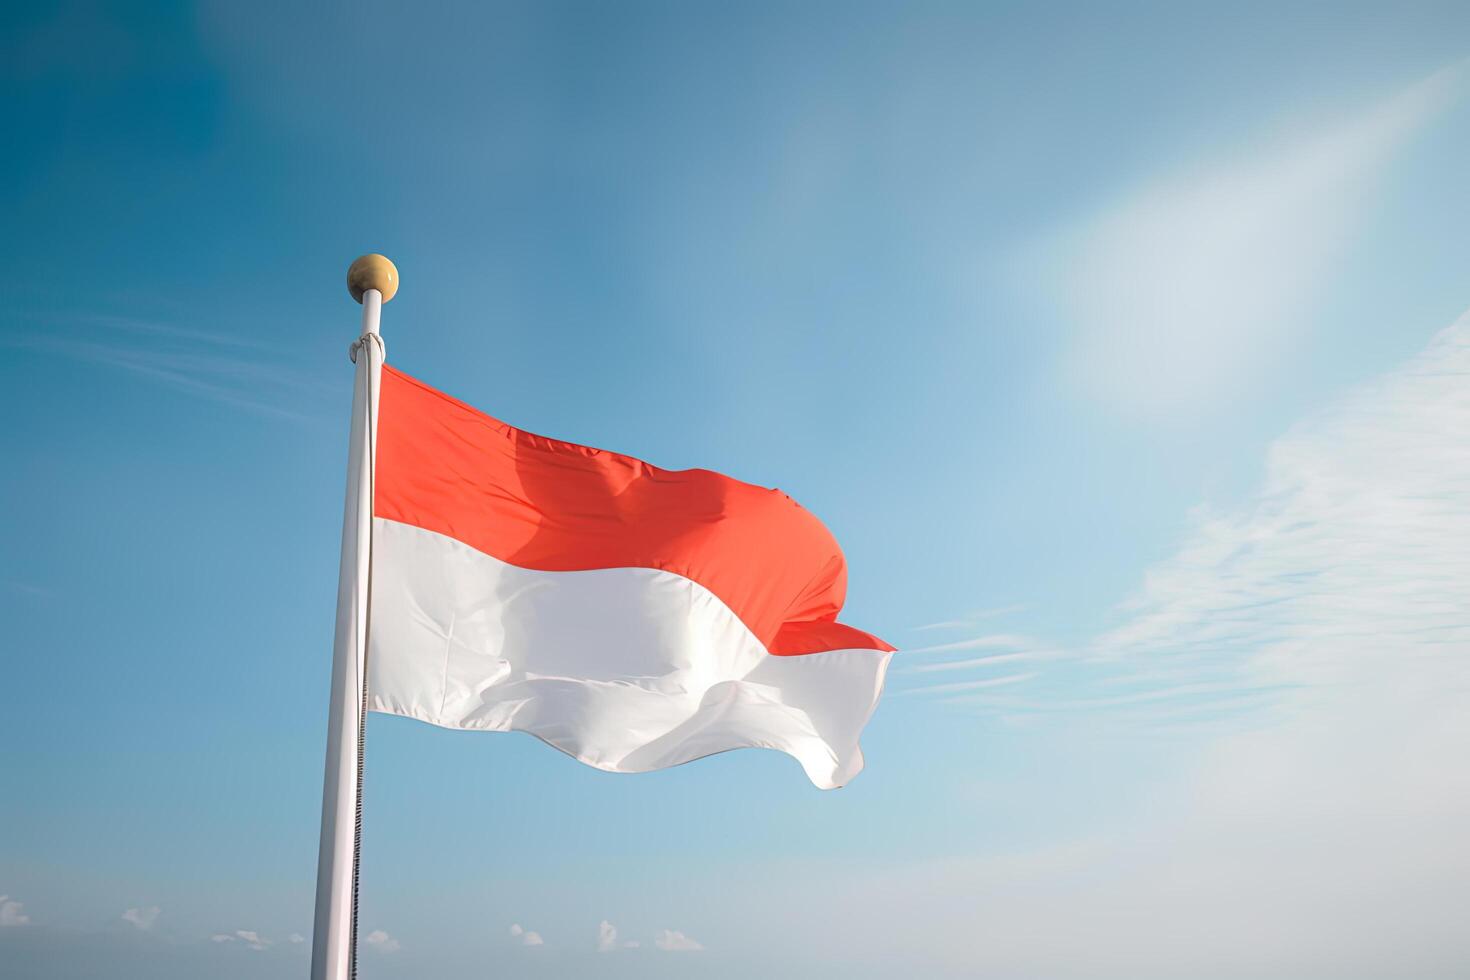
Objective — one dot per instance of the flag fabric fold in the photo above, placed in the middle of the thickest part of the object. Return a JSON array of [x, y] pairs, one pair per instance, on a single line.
[[633, 617]]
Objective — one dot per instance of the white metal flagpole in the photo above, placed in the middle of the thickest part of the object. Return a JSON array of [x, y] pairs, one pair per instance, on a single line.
[[372, 281]]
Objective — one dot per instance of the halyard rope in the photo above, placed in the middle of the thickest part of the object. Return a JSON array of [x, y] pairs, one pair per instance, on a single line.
[[371, 464]]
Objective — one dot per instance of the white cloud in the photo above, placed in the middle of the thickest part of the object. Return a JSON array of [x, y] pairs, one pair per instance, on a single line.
[[526, 936], [673, 941], [1180, 289], [295, 937], [607, 937], [246, 937], [12, 913], [1350, 568], [1324, 835], [380, 940], [143, 918]]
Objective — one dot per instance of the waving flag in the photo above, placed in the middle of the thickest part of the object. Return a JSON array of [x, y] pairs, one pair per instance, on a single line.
[[634, 618]]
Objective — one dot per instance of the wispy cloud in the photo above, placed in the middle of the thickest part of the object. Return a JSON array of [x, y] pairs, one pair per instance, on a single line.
[[142, 918], [969, 621], [382, 942], [1350, 568], [1182, 287], [970, 663], [12, 913], [1176, 289], [673, 941], [1002, 641], [977, 685], [216, 366], [1332, 608], [248, 938], [27, 589], [1202, 696], [1018, 649]]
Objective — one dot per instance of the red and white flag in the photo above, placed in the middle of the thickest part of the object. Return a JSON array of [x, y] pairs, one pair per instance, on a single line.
[[634, 618]]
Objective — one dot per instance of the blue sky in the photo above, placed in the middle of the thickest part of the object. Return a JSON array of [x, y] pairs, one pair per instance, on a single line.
[[1118, 346]]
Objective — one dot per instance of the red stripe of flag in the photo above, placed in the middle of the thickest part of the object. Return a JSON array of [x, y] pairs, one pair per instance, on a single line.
[[555, 506]]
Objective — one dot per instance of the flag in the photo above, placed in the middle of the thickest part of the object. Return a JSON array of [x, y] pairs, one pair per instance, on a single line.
[[633, 617]]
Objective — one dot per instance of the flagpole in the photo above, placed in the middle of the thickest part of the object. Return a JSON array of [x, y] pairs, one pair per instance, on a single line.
[[372, 280]]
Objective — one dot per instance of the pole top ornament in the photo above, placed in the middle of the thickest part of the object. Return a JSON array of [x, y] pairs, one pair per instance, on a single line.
[[372, 271]]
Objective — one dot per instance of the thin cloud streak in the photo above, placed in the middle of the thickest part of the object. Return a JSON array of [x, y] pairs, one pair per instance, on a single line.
[[972, 619], [221, 368], [1227, 692], [1005, 641], [973, 662], [156, 329], [1005, 681]]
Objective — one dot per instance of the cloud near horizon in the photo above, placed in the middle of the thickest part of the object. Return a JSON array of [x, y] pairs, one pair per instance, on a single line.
[[12, 913], [526, 936], [143, 918], [249, 938], [674, 941]]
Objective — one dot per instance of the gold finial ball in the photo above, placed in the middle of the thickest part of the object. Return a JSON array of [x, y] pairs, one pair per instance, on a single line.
[[372, 272]]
